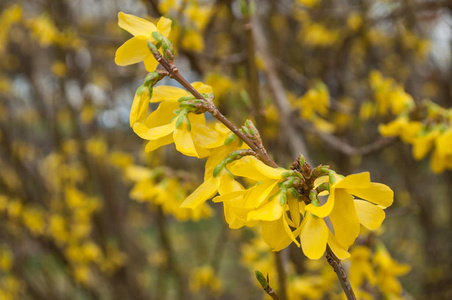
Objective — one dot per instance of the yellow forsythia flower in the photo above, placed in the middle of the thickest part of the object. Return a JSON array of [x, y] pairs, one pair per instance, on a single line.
[[163, 127], [136, 49], [345, 212]]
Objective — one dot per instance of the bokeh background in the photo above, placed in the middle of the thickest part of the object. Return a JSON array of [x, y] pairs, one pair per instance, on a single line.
[[85, 213]]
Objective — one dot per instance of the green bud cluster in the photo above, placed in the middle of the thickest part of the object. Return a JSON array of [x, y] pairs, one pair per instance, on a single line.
[[293, 181], [313, 196]]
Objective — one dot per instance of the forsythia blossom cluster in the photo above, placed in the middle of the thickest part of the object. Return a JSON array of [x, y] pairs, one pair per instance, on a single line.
[[285, 202], [431, 132]]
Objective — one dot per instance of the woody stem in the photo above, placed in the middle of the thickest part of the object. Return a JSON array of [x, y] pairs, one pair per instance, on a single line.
[[340, 272], [214, 111], [330, 256]]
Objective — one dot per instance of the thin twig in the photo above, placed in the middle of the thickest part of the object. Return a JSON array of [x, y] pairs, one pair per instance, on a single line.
[[265, 283], [342, 146], [215, 112], [340, 272], [285, 108]]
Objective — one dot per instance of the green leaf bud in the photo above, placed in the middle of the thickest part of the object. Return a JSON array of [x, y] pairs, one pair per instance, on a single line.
[[218, 168], [180, 121], [140, 90], [261, 278], [230, 139]]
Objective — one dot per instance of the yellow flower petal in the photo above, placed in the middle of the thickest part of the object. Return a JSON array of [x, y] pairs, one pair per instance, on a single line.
[[444, 143], [184, 141], [204, 135], [437, 162], [370, 215], [162, 115], [206, 190], [269, 172], [132, 51], [215, 157], [270, 211], [422, 145], [201, 87], [229, 196], [154, 144], [140, 106], [167, 93], [377, 193], [344, 219], [313, 236], [150, 63], [354, 181], [243, 168], [259, 194], [164, 26], [289, 232], [135, 25], [337, 249], [154, 133], [294, 208], [228, 184], [275, 236], [325, 209]]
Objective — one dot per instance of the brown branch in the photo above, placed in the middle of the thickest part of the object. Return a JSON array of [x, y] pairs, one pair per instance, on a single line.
[[214, 111], [340, 272], [285, 109], [342, 146]]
